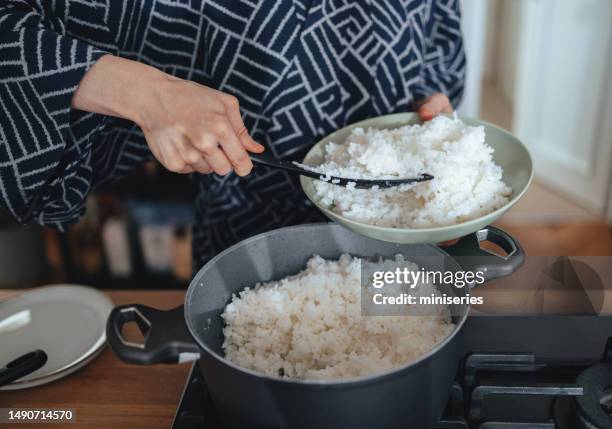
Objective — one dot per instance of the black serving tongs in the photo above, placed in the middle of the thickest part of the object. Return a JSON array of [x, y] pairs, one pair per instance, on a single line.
[[340, 181], [22, 366]]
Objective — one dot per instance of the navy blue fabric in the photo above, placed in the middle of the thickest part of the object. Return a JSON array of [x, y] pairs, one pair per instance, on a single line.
[[300, 68]]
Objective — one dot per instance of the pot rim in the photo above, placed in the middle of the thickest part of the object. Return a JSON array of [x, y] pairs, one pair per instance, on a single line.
[[379, 376]]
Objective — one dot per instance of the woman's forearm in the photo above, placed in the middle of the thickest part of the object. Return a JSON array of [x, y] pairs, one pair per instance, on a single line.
[[118, 87]]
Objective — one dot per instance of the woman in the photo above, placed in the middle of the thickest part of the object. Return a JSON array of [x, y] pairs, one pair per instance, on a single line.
[[89, 89]]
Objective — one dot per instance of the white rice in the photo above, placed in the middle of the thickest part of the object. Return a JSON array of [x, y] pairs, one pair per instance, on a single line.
[[467, 183], [310, 326]]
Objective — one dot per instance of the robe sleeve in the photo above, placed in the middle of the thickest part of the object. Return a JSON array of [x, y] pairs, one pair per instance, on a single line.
[[45, 145], [444, 63]]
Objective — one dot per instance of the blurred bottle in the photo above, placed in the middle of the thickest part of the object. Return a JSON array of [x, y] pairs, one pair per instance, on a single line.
[[117, 247], [181, 253]]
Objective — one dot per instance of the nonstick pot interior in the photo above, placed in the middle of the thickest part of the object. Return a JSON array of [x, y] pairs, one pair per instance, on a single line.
[[284, 252]]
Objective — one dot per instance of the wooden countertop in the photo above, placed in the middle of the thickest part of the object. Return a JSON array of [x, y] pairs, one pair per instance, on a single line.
[[108, 393]]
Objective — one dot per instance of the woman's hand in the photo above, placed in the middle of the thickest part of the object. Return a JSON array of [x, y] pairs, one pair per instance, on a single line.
[[433, 106], [188, 127]]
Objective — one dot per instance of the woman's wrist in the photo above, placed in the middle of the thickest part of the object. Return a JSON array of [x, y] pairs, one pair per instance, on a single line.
[[118, 87]]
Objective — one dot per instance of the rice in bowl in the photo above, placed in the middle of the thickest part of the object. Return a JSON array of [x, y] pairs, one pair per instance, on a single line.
[[467, 183], [310, 326]]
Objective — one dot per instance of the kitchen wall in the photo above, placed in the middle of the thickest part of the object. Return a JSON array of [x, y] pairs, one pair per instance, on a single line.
[[502, 27]]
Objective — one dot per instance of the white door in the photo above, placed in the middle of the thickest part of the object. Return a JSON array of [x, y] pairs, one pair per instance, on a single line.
[[563, 95]]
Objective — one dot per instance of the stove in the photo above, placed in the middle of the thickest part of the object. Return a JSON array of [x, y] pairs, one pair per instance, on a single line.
[[517, 372]]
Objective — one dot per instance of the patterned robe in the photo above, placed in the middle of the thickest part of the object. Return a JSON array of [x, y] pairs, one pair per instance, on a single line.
[[300, 68]]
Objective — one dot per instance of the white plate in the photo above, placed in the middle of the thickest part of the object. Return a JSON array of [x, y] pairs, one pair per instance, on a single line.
[[68, 322]]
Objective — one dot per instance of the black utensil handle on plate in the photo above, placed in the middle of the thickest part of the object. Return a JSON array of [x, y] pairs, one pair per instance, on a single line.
[[22, 366], [472, 257], [166, 338]]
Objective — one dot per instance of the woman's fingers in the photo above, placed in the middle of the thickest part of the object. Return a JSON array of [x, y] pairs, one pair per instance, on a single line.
[[234, 149], [434, 105], [172, 157], [222, 150], [213, 155], [248, 143], [191, 156], [232, 109], [202, 166]]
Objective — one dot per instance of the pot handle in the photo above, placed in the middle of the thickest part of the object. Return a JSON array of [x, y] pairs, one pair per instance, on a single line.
[[166, 338], [471, 257]]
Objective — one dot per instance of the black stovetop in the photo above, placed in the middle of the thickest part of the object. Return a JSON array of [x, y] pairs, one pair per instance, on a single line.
[[518, 372]]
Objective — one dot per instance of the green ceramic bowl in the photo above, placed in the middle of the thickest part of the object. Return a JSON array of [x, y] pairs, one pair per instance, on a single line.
[[509, 152]]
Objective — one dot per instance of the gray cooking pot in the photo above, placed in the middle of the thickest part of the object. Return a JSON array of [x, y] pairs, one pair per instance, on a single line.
[[411, 396]]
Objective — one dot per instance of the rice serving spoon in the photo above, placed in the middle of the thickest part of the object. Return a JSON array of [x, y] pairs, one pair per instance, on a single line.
[[340, 181]]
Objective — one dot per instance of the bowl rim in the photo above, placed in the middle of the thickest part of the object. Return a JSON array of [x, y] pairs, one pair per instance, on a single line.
[[495, 214]]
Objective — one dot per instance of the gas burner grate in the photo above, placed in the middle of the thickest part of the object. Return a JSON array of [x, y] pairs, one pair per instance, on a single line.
[[510, 425], [452, 423], [508, 391]]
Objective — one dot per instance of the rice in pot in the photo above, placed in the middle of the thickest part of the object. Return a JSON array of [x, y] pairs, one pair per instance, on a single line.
[[310, 326], [467, 183]]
